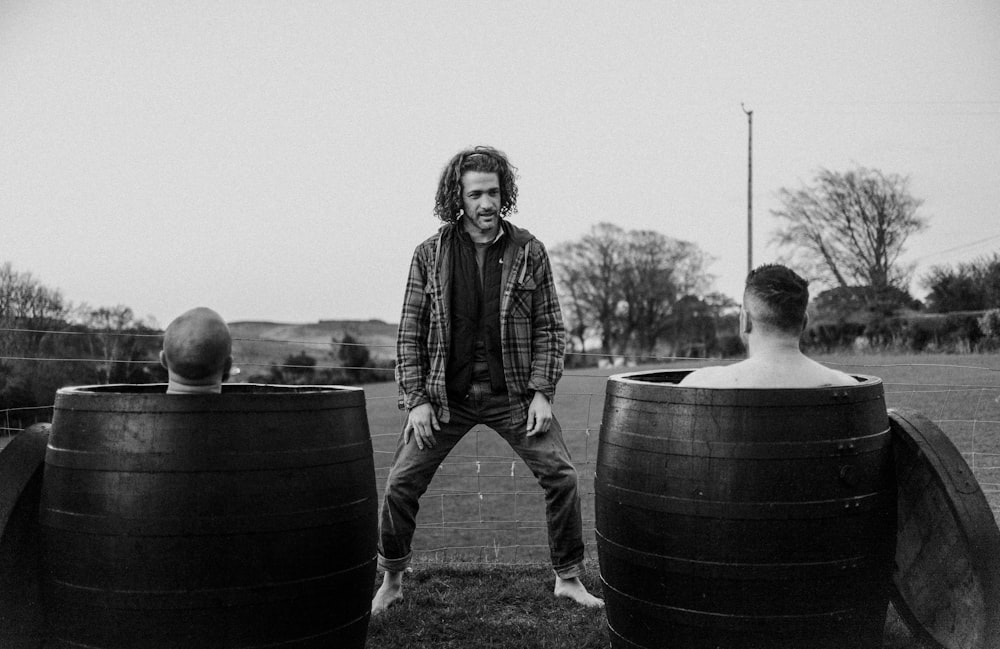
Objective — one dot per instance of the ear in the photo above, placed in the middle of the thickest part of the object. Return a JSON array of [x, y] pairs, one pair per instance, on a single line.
[[745, 324], [805, 321], [163, 360]]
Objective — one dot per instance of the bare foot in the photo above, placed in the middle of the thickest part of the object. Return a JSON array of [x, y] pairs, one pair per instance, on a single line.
[[390, 592], [574, 589]]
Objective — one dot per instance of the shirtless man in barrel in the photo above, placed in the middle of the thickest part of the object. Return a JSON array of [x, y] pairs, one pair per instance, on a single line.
[[771, 322]]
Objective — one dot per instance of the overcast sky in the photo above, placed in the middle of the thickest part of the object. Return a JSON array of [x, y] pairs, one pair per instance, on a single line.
[[278, 160]]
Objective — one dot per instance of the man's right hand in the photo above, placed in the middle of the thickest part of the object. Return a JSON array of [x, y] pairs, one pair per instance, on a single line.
[[421, 422]]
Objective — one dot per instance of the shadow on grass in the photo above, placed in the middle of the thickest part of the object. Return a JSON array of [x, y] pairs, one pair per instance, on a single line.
[[460, 606]]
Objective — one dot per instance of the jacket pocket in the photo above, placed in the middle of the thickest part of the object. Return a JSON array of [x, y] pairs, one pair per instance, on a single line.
[[522, 298]]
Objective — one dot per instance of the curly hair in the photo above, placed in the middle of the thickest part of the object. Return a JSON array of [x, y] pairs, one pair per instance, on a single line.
[[781, 296], [448, 201]]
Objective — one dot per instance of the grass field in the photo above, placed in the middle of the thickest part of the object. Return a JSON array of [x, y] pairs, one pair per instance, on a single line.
[[484, 505], [258, 345], [465, 606], [480, 575], [481, 545]]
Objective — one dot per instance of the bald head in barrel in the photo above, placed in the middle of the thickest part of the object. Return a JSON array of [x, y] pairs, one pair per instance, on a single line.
[[772, 320], [197, 352]]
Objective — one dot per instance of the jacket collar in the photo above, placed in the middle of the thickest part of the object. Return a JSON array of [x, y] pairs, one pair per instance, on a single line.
[[518, 236]]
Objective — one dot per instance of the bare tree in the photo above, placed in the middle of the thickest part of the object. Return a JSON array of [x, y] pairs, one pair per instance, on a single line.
[[27, 308], [849, 229], [589, 275], [657, 273], [623, 285], [118, 340], [108, 325]]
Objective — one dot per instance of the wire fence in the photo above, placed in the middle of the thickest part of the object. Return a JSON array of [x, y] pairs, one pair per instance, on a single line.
[[484, 506]]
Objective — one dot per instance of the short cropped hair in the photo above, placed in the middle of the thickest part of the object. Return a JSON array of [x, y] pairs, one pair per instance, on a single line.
[[448, 201], [197, 344], [779, 297]]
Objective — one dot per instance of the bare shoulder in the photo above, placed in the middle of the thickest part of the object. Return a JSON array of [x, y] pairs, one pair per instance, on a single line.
[[823, 376], [706, 377], [838, 378]]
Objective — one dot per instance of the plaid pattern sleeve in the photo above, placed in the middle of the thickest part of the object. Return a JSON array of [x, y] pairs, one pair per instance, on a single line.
[[548, 336], [412, 356]]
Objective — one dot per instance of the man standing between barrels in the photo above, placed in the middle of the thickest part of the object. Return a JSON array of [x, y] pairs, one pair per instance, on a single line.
[[480, 341]]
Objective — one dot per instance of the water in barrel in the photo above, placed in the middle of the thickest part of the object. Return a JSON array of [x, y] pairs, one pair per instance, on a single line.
[[744, 519], [244, 519]]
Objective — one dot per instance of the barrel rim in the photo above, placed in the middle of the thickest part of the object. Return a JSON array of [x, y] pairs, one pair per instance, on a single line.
[[242, 398], [659, 386], [635, 378], [235, 389]]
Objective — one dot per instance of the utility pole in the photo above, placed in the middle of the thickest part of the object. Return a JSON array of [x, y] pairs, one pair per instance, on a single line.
[[749, 188]]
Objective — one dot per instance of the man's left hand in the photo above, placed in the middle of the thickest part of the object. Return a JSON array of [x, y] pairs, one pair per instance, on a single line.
[[539, 414]]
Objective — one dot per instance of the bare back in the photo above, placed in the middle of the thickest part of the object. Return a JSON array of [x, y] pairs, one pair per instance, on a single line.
[[783, 371]]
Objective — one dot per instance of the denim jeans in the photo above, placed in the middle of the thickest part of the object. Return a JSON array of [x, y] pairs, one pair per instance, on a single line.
[[544, 453]]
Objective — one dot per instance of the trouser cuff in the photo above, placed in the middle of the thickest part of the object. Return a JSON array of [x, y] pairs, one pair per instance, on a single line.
[[394, 565], [569, 571]]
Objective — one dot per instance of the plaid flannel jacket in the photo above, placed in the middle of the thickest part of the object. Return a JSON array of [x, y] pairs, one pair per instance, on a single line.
[[532, 338]]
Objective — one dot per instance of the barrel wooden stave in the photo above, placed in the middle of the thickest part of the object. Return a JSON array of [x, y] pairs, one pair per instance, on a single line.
[[744, 518], [86, 626], [740, 541], [642, 625], [244, 520], [213, 565]]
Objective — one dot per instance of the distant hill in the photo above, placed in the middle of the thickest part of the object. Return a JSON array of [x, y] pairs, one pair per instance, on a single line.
[[258, 344]]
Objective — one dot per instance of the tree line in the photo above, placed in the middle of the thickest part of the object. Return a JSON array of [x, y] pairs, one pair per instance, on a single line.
[[36, 322], [642, 293], [46, 343], [632, 293], [638, 293], [967, 286], [356, 366]]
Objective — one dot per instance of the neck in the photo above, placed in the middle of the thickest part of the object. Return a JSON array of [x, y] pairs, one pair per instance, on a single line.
[[772, 346], [180, 385], [481, 236]]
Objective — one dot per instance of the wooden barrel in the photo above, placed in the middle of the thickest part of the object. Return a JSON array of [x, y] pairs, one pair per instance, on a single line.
[[21, 467], [947, 567], [744, 518], [244, 519]]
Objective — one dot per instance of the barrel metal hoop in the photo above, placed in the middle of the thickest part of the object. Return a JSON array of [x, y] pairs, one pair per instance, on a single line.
[[205, 525], [205, 597], [144, 408], [736, 570], [770, 510], [177, 462], [707, 619], [752, 450]]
